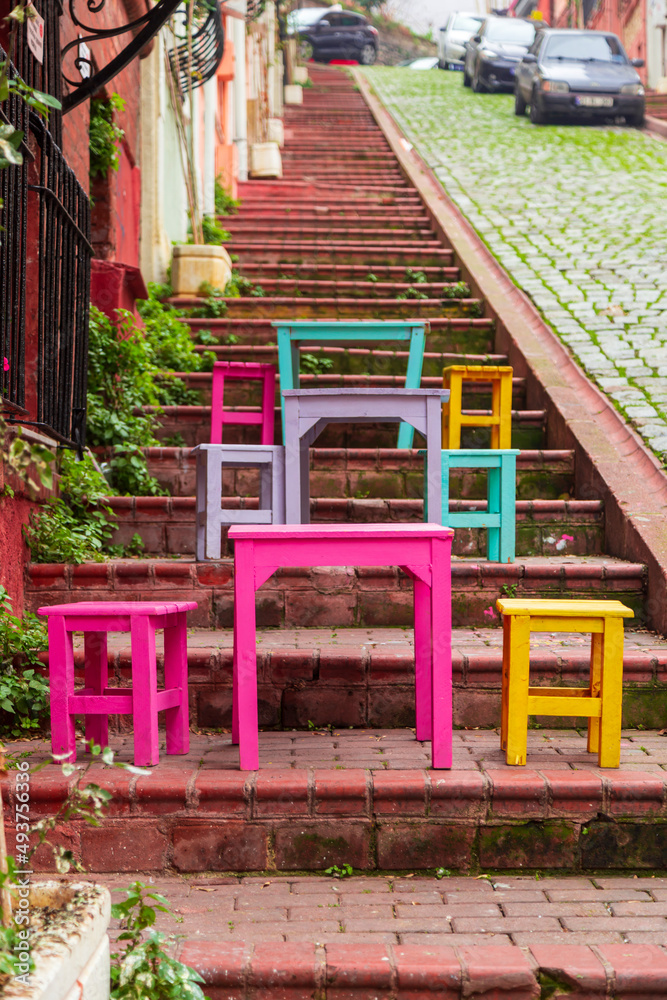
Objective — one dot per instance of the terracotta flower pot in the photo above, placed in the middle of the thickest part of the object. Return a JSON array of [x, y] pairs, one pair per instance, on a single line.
[[192, 265]]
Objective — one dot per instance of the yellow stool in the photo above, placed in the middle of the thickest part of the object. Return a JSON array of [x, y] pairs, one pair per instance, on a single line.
[[500, 420], [600, 702]]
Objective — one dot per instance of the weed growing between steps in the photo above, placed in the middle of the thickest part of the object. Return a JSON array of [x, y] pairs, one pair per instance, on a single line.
[[224, 203], [24, 693]]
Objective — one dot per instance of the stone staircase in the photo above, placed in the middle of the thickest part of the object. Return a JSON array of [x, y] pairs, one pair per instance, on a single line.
[[345, 235]]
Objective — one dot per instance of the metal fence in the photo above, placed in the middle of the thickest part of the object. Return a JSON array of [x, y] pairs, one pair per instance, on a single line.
[[45, 257]]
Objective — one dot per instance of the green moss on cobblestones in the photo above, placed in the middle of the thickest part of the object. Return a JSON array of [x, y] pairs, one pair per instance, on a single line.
[[576, 214], [608, 844]]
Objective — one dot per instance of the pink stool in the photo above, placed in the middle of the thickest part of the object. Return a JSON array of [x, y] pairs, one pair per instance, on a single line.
[[97, 701], [243, 370], [422, 550]]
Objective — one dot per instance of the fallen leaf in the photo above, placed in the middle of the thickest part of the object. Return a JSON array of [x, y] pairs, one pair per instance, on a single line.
[[204, 888]]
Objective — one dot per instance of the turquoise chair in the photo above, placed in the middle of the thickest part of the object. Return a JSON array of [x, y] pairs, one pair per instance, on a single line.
[[350, 333], [499, 518]]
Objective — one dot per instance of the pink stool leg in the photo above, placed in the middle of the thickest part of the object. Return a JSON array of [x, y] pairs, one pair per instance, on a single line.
[[245, 648], [217, 405], [144, 692], [96, 680], [61, 683], [423, 679], [235, 681], [441, 620], [176, 676], [268, 403]]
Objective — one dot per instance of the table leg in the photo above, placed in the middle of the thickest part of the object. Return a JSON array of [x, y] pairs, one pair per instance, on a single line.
[[433, 485], [611, 693], [268, 403], [507, 655], [441, 625], [201, 512], [494, 506], [176, 676], [61, 683], [507, 509], [413, 377], [245, 657], [144, 692], [214, 507], [288, 378], [423, 661], [96, 679], [595, 680], [517, 690]]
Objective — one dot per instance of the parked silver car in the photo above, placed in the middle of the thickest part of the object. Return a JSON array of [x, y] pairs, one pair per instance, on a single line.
[[459, 29]]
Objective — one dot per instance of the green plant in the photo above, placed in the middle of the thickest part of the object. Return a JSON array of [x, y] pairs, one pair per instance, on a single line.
[[20, 13], [371, 277], [415, 277], [75, 526], [457, 290], [411, 293], [315, 365], [339, 871], [21, 456], [442, 873], [24, 693], [224, 203], [213, 306], [509, 589], [145, 970], [104, 136], [212, 232]]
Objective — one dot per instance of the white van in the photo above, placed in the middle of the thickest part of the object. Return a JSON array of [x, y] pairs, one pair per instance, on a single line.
[[460, 27]]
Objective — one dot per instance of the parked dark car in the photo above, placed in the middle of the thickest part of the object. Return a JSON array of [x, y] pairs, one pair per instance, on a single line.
[[493, 55], [568, 73], [342, 35]]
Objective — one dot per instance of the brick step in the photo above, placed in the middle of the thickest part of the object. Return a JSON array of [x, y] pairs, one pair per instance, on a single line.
[[390, 473], [365, 677], [301, 195], [476, 395], [543, 527], [193, 424], [279, 252], [323, 226], [295, 598], [345, 272], [369, 288], [365, 216], [367, 799], [353, 360], [461, 335], [304, 307]]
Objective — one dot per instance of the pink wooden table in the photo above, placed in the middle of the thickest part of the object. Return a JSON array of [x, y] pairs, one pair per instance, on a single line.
[[422, 550], [97, 701]]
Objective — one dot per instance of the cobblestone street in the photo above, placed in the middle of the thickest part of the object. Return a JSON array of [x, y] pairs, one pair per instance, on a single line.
[[577, 215]]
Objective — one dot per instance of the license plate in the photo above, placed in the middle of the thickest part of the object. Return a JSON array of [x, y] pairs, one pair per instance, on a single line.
[[456, 66], [594, 102], [512, 70]]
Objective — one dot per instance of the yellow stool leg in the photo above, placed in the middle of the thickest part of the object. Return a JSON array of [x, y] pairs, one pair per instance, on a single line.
[[517, 691], [496, 412], [593, 745], [505, 407], [451, 412], [611, 693], [507, 652]]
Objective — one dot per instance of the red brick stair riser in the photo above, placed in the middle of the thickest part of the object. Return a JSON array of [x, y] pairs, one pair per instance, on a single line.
[[193, 820], [334, 597], [544, 527]]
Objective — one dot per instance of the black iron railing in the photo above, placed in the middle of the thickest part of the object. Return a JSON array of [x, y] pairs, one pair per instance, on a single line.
[[208, 43], [64, 293]]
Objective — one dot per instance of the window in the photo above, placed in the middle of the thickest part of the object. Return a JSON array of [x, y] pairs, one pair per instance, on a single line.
[[350, 21], [593, 47], [509, 31], [462, 22]]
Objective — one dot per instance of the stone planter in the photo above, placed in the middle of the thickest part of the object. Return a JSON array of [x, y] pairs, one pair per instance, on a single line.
[[300, 74], [276, 131], [192, 265], [69, 944], [293, 93], [265, 160]]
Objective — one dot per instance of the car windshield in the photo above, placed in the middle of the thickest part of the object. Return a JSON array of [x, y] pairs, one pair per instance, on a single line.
[[462, 22], [585, 48], [511, 30]]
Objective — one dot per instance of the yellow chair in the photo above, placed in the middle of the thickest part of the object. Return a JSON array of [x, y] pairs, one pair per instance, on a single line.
[[600, 702], [500, 420]]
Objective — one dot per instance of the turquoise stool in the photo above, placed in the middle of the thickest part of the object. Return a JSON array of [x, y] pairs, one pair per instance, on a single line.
[[352, 333], [500, 516]]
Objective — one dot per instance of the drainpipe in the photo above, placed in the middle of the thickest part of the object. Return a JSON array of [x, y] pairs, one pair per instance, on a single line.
[[240, 106]]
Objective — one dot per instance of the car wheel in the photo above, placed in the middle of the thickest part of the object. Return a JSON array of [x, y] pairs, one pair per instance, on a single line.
[[368, 55], [519, 104], [477, 85], [635, 121], [537, 116], [466, 78]]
